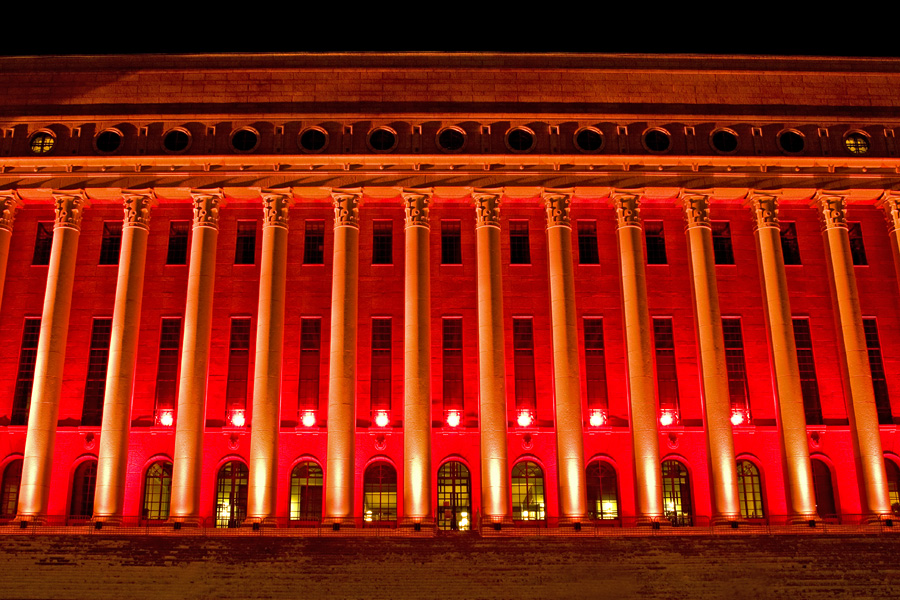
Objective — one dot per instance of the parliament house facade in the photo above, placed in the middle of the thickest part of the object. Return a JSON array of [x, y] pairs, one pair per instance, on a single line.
[[460, 291]]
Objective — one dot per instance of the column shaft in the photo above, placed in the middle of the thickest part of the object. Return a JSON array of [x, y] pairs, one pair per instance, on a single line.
[[109, 497], [191, 414], [266, 415], [341, 457], [566, 367], [34, 492]]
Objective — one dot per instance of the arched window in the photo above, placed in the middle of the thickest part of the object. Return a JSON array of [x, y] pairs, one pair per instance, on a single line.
[[749, 490], [602, 491], [454, 497], [9, 492], [893, 481], [231, 495], [528, 492], [825, 504], [380, 493], [83, 484], [306, 492], [677, 493], [157, 491]]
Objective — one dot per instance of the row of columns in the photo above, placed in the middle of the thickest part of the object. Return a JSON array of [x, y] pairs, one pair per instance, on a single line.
[[112, 460]]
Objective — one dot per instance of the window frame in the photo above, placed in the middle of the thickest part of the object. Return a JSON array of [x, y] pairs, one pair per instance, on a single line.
[[382, 242], [178, 244], [656, 252], [451, 242], [588, 247], [519, 242], [110, 244], [245, 243]]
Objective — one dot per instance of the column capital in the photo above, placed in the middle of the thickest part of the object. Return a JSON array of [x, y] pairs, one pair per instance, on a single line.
[[346, 207], [696, 209], [137, 204], [276, 206], [487, 208], [765, 210], [628, 209], [415, 205], [832, 210], [69, 208], [890, 204], [9, 205], [558, 204], [206, 207]]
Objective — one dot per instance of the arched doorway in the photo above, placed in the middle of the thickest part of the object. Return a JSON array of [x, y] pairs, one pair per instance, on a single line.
[[157, 491], [677, 493], [83, 484], [893, 482], [9, 491], [306, 493], [380, 494], [602, 491], [528, 492], [231, 495], [824, 489], [454, 510], [749, 490]]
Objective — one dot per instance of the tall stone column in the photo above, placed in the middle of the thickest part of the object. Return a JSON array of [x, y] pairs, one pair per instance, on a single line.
[[566, 368], [417, 504], [342, 366], [713, 370], [9, 205], [788, 396], [109, 497], [262, 490], [34, 492], [859, 394], [191, 414], [639, 350], [491, 359], [890, 203]]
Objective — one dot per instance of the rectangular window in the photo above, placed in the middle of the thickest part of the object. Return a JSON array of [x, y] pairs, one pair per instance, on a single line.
[[523, 351], [452, 363], [790, 249], [167, 368], [382, 243], [178, 242], [721, 236], [734, 363], [595, 363], [314, 243], [666, 373], [25, 374], [110, 243], [656, 242], [857, 249], [809, 385], [451, 243], [519, 247], [310, 363], [587, 243], [245, 248], [381, 364], [95, 386], [238, 365], [43, 243], [876, 365]]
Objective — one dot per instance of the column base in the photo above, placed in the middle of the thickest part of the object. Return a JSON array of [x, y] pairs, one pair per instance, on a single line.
[[338, 523], [417, 523], [101, 521], [497, 522], [811, 520], [24, 521], [573, 522], [733, 520], [260, 522], [185, 522], [654, 522]]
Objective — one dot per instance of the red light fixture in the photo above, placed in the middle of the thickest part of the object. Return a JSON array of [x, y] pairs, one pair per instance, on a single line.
[[382, 418], [453, 418], [525, 418], [309, 418], [237, 418], [166, 418], [739, 417], [668, 417], [599, 418]]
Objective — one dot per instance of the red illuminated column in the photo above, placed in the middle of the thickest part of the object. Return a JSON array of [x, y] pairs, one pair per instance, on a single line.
[[417, 361], [262, 491], [859, 393], [188, 455], [34, 492], [566, 368], [641, 389], [109, 497], [491, 359], [713, 371], [342, 365], [788, 395], [9, 204]]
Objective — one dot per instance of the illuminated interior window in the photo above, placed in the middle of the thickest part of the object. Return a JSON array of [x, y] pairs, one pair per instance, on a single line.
[[451, 243], [588, 253], [245, 247], [519, 246], [790, 248], [306, 492], [666, 373], [856, 143], [382, 243], [238, 365], [452, 363], [310, 363], [654, 235], [809, 383], [83, 484], [876, 366], [111, 243], [231, 495], [454, 509], [721, 236], [9, 490], [523, 358], [734, 364], [595, 364], [95, 386], [43, 243], [157, 491], [25, 373], [42, 143], [602, 491], [857, 248], [380, 494], [824, 489], [177, 250], [749, 490], [314, 243], [893, 481], [677, 493], [528, 492], [381, 364], [167, 367]]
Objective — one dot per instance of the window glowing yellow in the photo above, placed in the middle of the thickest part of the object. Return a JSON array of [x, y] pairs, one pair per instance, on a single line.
[[42, 143], [857, 143]]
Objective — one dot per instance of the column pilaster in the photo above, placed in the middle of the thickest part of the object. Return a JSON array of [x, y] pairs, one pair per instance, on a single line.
[[566, 366], [266, 415], [341, 470], [34, 492], [890, 204], [417, 502], [859, 393], [788, 395], [9, 206], [109, 497], [713, 370], [639, 351], [191, 413]]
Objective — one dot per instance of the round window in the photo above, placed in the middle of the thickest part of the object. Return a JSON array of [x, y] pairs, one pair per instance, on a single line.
[[856, 143], [108, 141], [382, 139], [791, 141], [42, 142], [451, 139], [724, 141], [177, 140], [245, 140], [589, 139], [520, 139], [657, 140], [313, 139]]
